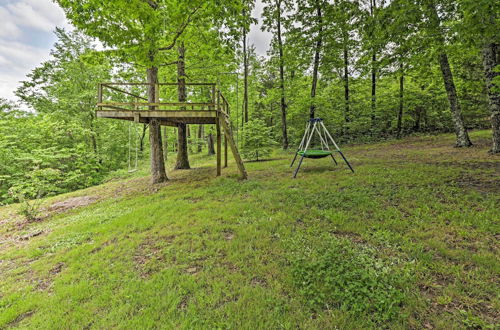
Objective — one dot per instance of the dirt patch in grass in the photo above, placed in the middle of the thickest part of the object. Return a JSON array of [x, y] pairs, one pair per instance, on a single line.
[[230, 267], [57, 268], [258, 282], [469, 165], [31, 235], [228, 235], [183, 303], [148, 258], [193, 270], [479, 184], [72, 203]]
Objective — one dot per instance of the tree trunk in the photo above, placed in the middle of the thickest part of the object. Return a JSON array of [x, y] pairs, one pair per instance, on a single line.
[[245, 76], [189, 140], [143, 135], [490, 62], [312, 109], [182, 150], [200, 137], [165, 143], [374, 91], [210, 143], [282, 78], [401, 103], [158, 173], [373, 7], [418, 118], [346, 83], [456, 111]]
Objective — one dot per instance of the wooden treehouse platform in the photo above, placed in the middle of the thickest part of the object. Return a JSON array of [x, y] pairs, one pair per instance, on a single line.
[[126, 101]]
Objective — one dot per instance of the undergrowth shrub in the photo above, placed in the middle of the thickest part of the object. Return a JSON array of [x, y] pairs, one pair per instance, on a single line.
[[29, 202], [257, 140], [339, 274]]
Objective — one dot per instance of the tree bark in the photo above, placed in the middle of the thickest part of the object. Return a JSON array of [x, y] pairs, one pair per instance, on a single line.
[[401, 103], [189, 140], [456, 111], [312, 108], [418, 118], [346, 83], [490, 57], [245, 75], [165, 143], [462, 138], [200, 137], [374, 91], [158, 173], [143, 135], [210, 144], [182, 150], [373, 8], [282, 78]]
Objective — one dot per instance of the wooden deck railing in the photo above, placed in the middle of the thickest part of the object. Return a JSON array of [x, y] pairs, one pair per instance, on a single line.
[[136, 100]]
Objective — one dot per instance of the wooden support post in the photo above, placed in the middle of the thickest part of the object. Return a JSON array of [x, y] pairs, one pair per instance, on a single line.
[[219, 146], [225, 150], [234, 149]]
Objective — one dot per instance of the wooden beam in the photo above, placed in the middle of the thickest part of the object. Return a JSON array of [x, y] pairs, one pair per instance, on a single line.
[[219, 151], [225, 150], [157, 113], [234, 149], [124, 92], [113, 108]]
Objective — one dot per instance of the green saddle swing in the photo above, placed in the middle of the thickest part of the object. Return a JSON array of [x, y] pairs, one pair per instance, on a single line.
[[316, 126], [315, 153]]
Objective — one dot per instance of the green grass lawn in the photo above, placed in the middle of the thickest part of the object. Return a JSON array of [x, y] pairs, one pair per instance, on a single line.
[[408, 241]]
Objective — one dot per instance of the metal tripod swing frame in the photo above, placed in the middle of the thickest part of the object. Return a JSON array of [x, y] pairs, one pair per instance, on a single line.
[[315, 125]]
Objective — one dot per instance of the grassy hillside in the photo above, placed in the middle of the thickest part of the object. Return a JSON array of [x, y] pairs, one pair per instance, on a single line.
[[409, 240]]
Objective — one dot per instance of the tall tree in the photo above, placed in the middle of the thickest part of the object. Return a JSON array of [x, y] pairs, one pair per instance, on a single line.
[[342, 24], [373, 14], [317, 52], [436, 30], [245, 71], [401, 99], [399, 21], [480, 26], [182, 152], [273, 22]]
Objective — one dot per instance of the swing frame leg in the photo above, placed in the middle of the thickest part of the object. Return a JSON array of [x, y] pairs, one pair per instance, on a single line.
[[340, 152], [334, 159], [294, 158], [298, 167]]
